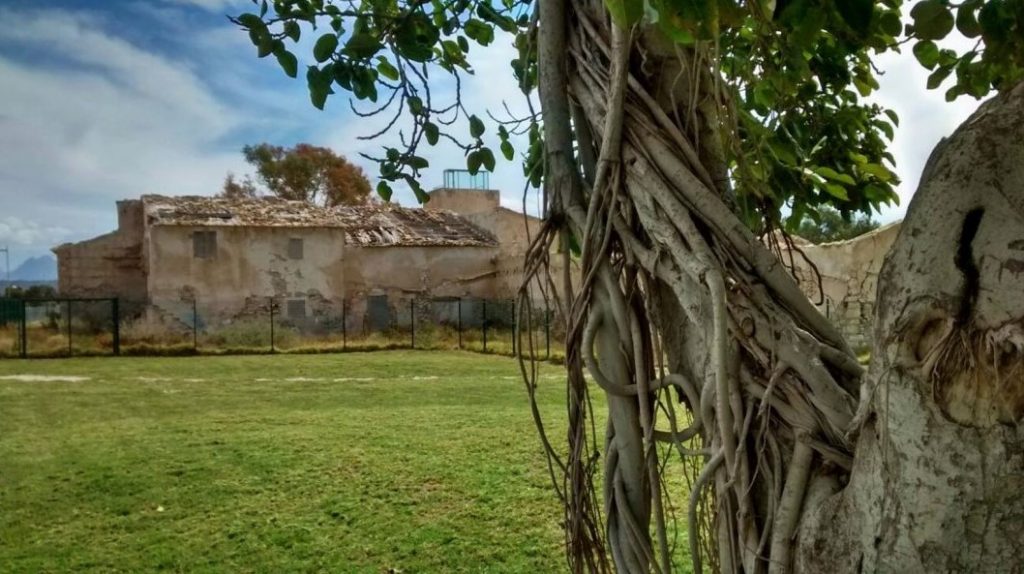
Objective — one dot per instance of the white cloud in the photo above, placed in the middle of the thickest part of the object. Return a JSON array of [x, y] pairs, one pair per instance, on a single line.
[[925, 115], [212, 5], [91, 118], [14, 231]]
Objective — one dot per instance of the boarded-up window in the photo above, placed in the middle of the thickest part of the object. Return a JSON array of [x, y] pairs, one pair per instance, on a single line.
[[295, 248], [296, 308], [204, 244]]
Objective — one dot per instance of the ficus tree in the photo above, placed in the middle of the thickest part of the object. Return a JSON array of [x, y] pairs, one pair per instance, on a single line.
[[672, 141]]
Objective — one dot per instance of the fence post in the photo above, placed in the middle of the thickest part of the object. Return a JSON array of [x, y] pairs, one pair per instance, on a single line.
[[195, 327], [485, 325], [69, 328], [412, 320], [115, 313], [547, 331], [344, 324], [24, 329], [460, 323], [272, 349], [515, 325]]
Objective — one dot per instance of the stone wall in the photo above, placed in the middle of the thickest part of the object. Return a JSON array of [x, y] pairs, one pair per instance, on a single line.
[[250, 264], [848, 273], [513, 229], [110, 265]]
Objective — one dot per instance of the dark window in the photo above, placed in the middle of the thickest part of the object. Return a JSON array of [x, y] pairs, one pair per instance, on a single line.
[[296, 308], [204, 244], [295, 248]]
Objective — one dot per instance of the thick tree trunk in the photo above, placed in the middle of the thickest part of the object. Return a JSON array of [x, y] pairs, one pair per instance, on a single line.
[[938, 477], [669, 271]]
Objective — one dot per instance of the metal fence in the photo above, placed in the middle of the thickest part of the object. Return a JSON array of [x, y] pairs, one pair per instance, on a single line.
[[90, 327]]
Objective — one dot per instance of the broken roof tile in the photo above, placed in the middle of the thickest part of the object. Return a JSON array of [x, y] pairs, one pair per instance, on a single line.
[[373, 225]]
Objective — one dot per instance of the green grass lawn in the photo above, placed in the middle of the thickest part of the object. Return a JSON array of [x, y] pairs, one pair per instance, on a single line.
[[416, 461], [361, 462]]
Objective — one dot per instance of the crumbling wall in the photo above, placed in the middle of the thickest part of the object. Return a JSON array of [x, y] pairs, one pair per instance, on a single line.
[[848, 273], [110, 265], [249, 266], [394, 275], [464, 201]]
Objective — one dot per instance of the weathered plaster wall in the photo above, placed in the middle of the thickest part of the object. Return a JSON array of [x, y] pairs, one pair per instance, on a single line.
[[849, 278], [403, 273], [250, 264], [511, 228], [110, 265], [464, 201]]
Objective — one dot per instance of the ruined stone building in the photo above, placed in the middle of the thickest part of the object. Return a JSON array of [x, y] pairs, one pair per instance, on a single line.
[[231, 255], [848, 272]]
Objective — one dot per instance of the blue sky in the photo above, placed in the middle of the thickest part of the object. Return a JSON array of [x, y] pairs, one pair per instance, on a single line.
[[109, 99]]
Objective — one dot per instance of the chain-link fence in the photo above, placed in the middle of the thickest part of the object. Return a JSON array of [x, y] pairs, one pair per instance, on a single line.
[[78, 327]]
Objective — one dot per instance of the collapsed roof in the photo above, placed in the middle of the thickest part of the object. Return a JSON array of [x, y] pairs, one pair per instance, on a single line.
[[372, 225]]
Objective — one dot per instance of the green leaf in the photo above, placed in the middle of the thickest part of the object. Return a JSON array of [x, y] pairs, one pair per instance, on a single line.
[[325, 47], [935, 78], [415, 105], [487, 158], [887, 130], [362, 46], [251, 21], [893, 117], [415, 37], [837, 191], [265, 46], [473, 161], [384, 190], [479, 31], [967, 20], [995, 21], [319, 82], [431, 131], [289, 63], [507, 150], [292, 30], [386, 69], [625, 13], [932, 20], [417, 162], [927, 53], [857, 14], [879, 171], [319, 97], [476, 127], [834, 175], [890, 23]]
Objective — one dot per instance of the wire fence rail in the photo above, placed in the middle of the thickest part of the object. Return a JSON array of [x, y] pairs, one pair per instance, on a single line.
[[71, 327]]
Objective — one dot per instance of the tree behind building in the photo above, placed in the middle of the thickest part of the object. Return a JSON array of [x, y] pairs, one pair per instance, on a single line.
[[301, 173]]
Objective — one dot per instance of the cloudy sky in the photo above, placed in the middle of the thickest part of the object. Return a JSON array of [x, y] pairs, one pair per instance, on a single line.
[[109, 99]]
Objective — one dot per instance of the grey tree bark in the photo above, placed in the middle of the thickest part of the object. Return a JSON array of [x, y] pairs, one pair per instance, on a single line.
[[923, 474], [938, 478]]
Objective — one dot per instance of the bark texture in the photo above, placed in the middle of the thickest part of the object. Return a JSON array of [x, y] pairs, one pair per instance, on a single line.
[[938, 478], [681, 308]]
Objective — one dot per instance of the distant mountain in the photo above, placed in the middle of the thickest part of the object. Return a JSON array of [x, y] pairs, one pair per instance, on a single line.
[[42, 268]]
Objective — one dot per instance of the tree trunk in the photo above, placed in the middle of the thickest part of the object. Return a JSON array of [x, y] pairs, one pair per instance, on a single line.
[[938, 477], [670, 272]]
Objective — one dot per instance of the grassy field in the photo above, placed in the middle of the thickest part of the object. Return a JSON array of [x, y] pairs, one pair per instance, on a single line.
[[410, 461], [360, 462]]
